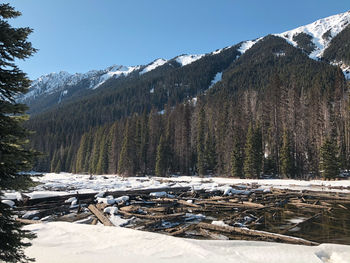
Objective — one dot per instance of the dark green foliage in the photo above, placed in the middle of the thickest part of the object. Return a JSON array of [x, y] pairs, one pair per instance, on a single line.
[[127, 158], [287, 170], [200, 142], [14, 156], [339, 48], [261, 87], [11, 237], [249, 157], [209, 153], [329, 165], [236, 159], [161, 161], [304, 42], [253, 153]]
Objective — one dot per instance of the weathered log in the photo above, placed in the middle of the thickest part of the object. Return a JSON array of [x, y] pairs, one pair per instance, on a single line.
[[306, 205], [181, 230], [91, 196], [103, 219], [94, 221], [214, 236], [28, 221], [249, 204], [155, 217], [183, 202], [249, 232], [73, 217]]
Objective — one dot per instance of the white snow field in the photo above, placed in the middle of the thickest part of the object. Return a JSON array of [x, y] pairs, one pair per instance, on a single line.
[[68, 242]]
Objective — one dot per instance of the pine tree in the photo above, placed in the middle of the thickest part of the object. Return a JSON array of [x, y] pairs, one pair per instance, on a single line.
[[102, 164], [287, 170], [329, 165], [236, 159], [58, 167], [144, 143], [200, 142], [249, 164], [125, 162], [253, 153], [258, 150], [54, 161], [81, 155], [13, 155], [210, 152], [161, 165]]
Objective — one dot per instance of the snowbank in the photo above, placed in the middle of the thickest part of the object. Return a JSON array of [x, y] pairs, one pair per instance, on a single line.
[[67, 242]]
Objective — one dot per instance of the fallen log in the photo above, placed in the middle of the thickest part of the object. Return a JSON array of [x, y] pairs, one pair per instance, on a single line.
[[185, 203], [211, 235], [256, 233], [28, 221], [155, 217], [91, 196], [73, 217], [306, 205], [181, 230], [103, 219]]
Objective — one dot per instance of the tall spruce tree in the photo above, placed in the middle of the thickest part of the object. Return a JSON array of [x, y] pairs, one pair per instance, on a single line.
[[253, 153], [209, 152], [13, 155], [125, 161], [329, 165], [236, 159], [161, 162], [249, 171], [200, 142], [258, 150], [286, 158]]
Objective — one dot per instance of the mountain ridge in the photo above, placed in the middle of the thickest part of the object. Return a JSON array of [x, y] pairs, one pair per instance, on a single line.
[[313, 39]]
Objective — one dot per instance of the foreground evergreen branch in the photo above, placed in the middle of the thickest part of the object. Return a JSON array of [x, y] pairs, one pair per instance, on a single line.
[[14, 157]]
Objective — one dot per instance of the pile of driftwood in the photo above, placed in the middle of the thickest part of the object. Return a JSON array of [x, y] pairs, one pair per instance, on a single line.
[[181, 211]]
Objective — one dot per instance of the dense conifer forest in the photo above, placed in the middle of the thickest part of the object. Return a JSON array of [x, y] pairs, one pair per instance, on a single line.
[[275, 111]]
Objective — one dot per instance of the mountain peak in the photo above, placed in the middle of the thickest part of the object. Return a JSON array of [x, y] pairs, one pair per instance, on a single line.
[[320, 33]]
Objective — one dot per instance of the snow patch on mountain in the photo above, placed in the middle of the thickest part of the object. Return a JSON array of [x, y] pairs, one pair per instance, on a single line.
[[216, 79], [62, 81], [322, 31], [115, 72], [247, 45], [220, 50], [184, 60], [155, 64]]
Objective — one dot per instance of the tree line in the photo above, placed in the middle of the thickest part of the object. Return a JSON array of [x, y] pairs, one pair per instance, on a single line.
[[271, 113]]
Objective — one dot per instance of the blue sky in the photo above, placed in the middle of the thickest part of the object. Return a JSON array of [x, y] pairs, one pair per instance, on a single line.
[[80, 35]]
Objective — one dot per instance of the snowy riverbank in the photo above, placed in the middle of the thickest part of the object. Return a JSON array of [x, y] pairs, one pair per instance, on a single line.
[[52, 184], [67, 242]]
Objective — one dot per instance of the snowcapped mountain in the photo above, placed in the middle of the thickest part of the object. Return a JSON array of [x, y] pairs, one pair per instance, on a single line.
[[320, 33], [63, 81], [313, 38], [184, 60], [155, 64]]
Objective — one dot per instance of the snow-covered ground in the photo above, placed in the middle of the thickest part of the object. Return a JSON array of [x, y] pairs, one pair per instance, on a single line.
[[68, 242], [52, 184]]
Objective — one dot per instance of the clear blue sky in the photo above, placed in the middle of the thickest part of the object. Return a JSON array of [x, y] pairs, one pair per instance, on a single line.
[[80, 35]]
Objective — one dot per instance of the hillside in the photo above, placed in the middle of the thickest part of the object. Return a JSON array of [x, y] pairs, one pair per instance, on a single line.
[[195, 113]]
